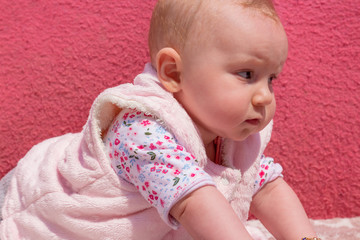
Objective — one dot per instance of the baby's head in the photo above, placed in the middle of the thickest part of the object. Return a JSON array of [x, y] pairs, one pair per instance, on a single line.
[[218, 58]]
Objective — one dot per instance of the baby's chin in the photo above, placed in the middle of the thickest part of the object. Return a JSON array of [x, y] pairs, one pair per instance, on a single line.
[[241, 137], [245, 134]]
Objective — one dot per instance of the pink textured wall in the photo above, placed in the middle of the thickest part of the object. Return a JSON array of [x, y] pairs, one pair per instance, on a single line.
[[56, 56]]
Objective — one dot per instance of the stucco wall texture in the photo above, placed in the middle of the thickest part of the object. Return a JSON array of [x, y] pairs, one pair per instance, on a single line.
[[57, 56]]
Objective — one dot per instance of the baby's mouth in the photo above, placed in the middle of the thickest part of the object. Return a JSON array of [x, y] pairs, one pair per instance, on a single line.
[[253, 121]]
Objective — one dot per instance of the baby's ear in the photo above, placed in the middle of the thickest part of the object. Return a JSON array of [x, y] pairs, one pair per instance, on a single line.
[[168, 63]]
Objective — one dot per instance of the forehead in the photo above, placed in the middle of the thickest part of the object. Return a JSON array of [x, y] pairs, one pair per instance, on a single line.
[[234, 29]]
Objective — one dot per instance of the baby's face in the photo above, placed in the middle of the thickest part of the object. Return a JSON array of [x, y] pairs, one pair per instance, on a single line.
[[227, 76]]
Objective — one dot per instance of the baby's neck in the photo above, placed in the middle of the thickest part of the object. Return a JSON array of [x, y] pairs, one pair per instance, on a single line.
[[211, 151]]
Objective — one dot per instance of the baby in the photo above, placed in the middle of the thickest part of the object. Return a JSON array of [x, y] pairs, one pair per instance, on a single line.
[[178, 154]]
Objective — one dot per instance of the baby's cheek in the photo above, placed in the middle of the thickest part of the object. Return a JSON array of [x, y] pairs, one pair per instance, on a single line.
[[272, 109]]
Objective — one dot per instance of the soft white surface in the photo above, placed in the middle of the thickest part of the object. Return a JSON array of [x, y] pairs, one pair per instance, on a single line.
[[327, 229]]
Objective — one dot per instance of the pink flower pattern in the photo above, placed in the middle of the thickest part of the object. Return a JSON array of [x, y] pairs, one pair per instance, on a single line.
[[268, 172], [152, 160]]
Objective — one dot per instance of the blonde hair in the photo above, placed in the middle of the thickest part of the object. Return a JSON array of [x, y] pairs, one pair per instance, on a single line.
[[172, 20], [264, 6]]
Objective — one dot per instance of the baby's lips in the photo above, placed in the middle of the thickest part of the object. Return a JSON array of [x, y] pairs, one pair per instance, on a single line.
[[253, 121]]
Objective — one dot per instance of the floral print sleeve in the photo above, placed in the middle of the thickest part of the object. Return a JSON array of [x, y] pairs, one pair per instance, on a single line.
[[147, 155], [268, 172]]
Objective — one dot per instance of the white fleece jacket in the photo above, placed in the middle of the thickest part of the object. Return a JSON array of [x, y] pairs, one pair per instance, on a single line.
[[65, 188]]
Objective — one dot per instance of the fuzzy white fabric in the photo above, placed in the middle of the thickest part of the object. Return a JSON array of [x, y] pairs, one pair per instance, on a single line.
[[336, 228], [327, 229], [4, 185], [65, 188]]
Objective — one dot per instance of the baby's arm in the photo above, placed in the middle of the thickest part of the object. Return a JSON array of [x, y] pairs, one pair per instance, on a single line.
[[280, 210], [206, 214]]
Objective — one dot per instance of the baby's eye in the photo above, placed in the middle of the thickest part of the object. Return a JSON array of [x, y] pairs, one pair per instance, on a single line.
[[246, 74]]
